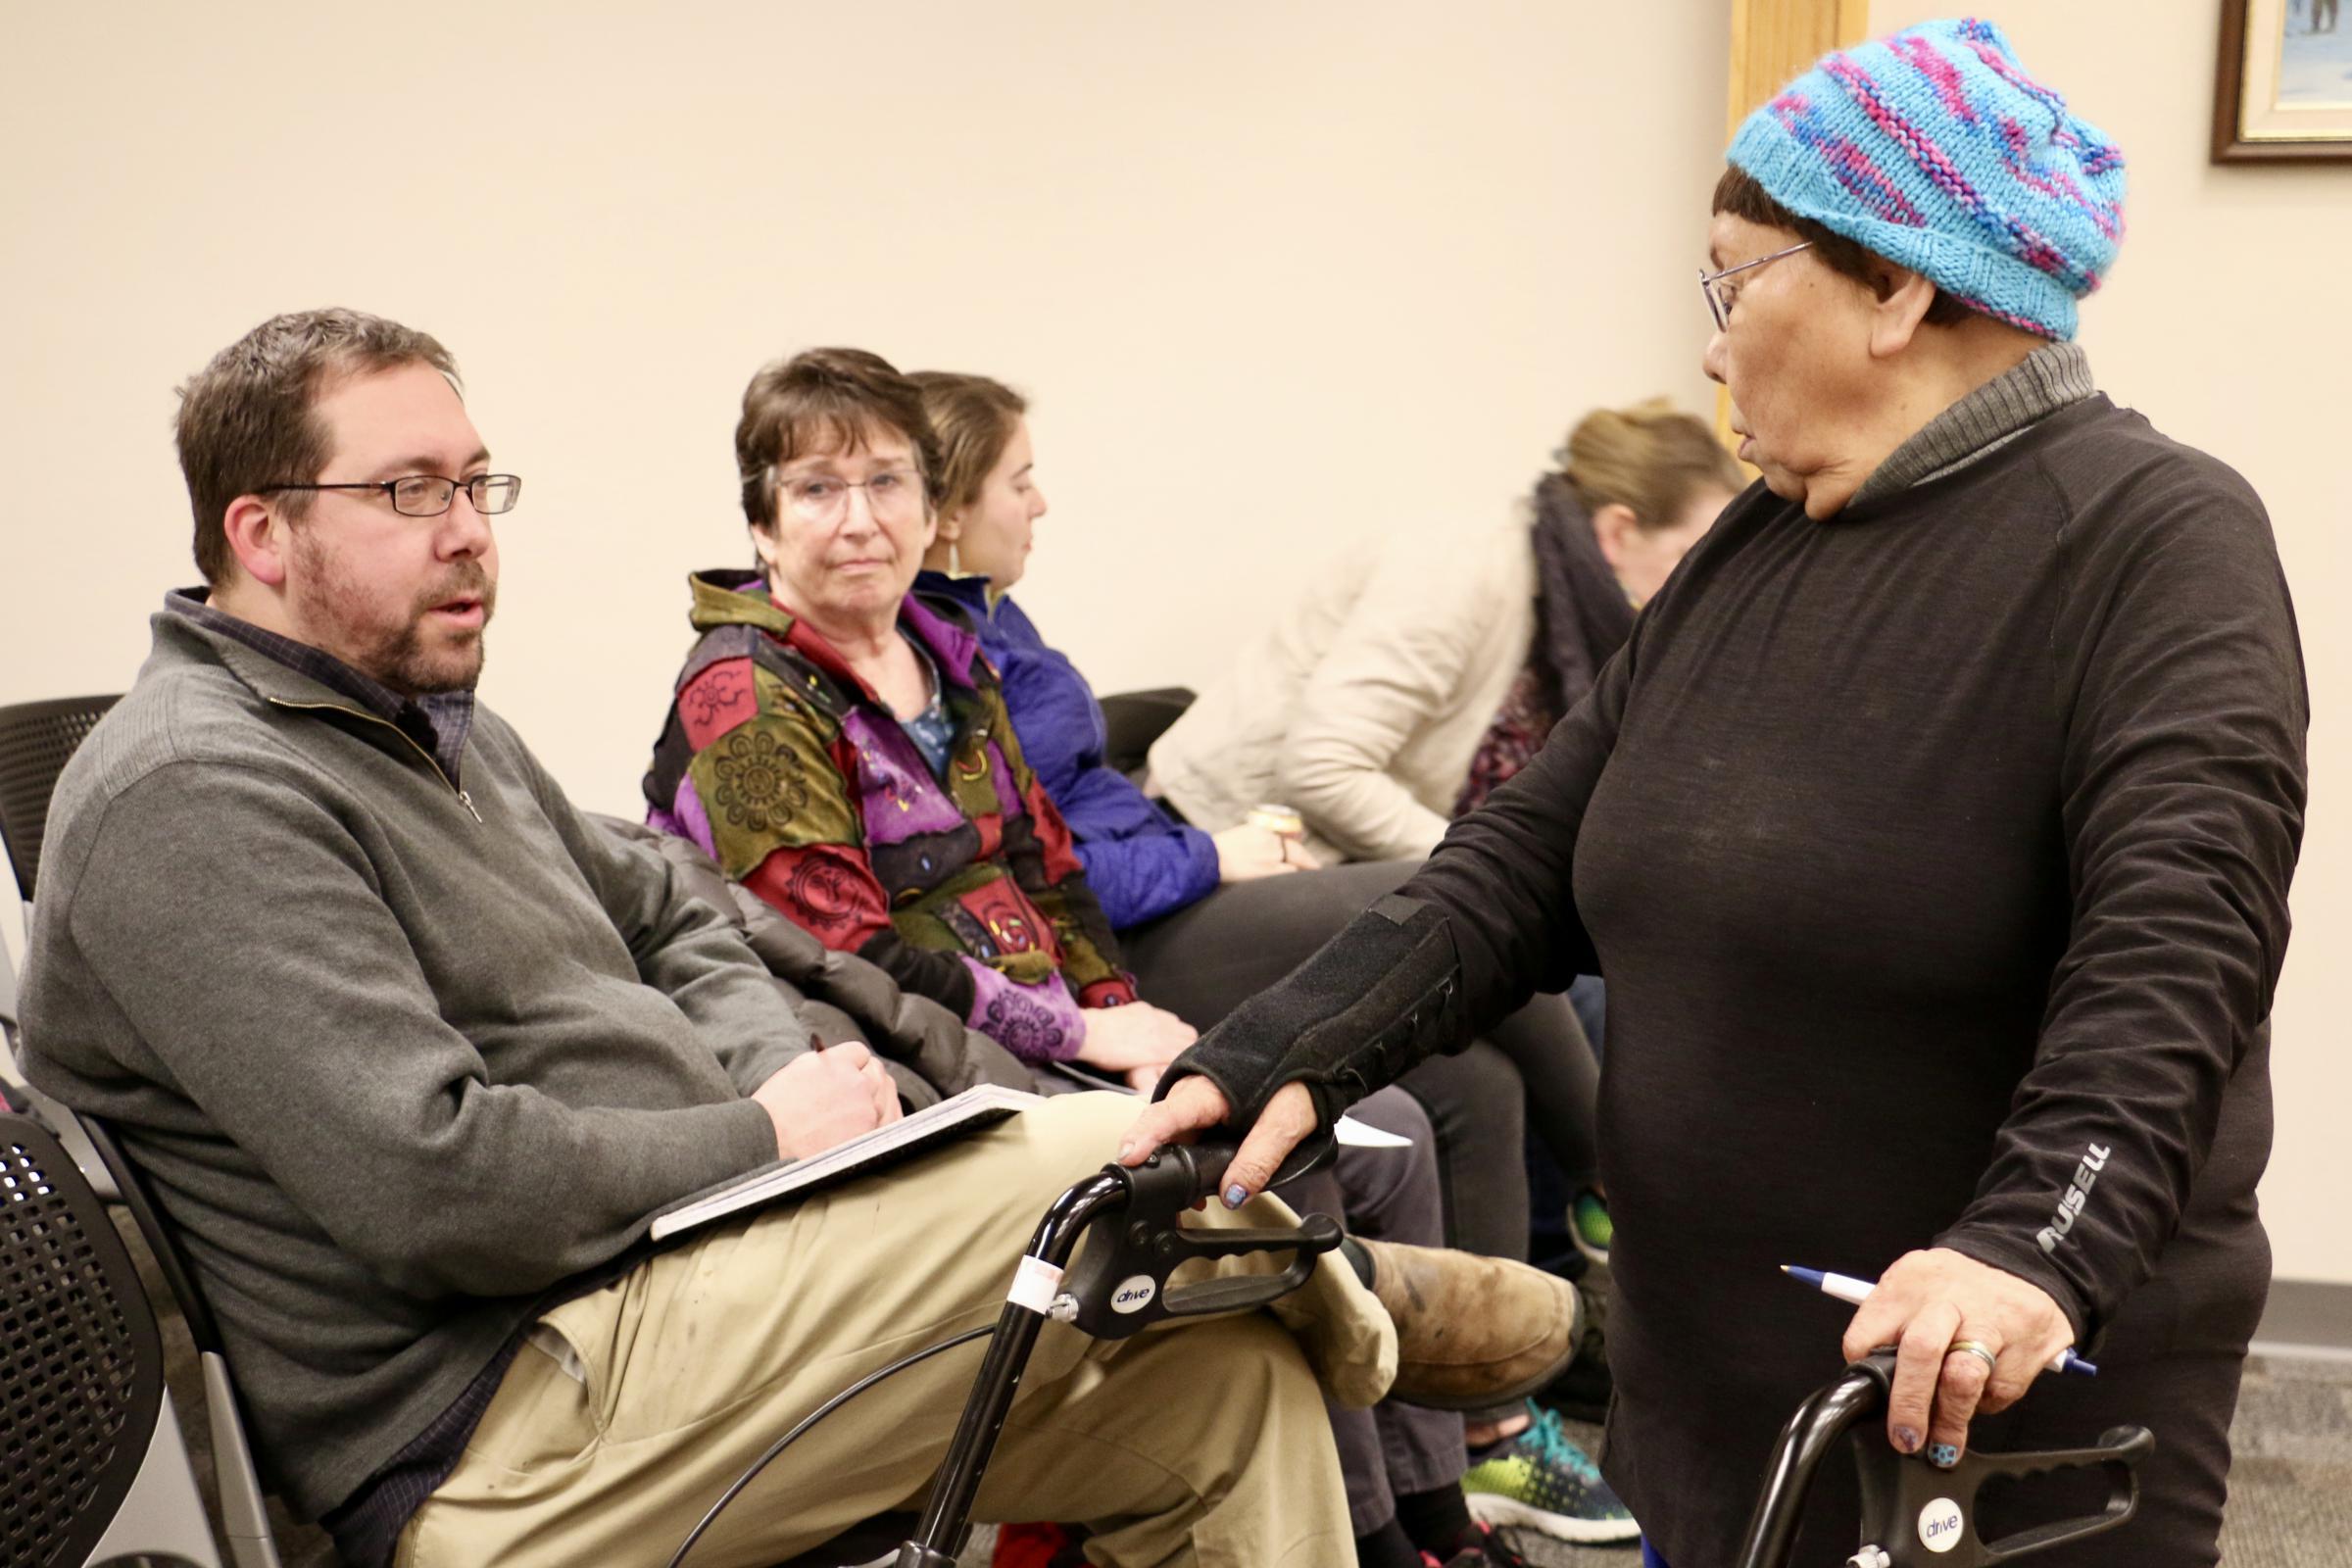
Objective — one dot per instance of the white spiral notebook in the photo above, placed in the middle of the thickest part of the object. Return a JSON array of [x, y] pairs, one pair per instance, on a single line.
[[952, 1118]]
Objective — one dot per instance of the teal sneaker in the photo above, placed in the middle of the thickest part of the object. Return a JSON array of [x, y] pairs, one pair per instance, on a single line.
[[1541, 1480], [1588, 1224]]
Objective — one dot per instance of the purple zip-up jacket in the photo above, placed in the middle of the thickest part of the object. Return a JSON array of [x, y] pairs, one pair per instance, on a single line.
[[1140, 862]]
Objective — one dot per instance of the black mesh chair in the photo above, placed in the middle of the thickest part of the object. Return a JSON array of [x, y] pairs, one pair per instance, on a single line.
[[35, 739], [92, 1468], [1135, 719]]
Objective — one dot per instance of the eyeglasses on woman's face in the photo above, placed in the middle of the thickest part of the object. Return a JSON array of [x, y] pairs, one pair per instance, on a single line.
[[823, 498], [1721, 295]]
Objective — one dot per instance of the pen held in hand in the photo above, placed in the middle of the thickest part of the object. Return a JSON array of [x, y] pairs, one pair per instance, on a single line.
[[1846, 1288]]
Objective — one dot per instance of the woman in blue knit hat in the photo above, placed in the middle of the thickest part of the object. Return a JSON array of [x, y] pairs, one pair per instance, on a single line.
[[1934, 829]]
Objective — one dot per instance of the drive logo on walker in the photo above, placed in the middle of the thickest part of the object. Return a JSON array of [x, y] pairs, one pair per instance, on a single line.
[[1134, 1293], [1941, 1525], [2071, 1202]]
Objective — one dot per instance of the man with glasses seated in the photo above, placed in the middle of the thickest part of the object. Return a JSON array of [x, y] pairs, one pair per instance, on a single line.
[[410, 1050]]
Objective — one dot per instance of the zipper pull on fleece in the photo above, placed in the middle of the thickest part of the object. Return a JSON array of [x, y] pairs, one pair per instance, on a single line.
[[467, 801]]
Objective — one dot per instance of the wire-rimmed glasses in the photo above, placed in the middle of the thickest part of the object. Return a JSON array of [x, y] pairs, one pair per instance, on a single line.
[[1718, 299], [824, 497]]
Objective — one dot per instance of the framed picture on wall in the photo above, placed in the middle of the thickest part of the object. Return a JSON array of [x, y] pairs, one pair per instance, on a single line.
[[2282, 87]]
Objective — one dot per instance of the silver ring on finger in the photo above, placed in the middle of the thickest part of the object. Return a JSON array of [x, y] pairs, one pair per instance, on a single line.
[[1977, 1348]]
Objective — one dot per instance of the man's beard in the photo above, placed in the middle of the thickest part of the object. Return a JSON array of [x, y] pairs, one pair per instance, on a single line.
[[401, 659], [397, 653]]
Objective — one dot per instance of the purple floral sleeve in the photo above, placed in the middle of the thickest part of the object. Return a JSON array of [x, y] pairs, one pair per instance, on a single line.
[[1038, 1022]]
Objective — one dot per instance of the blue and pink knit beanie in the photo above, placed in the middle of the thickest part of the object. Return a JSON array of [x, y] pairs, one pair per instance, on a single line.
[[1936, 150]]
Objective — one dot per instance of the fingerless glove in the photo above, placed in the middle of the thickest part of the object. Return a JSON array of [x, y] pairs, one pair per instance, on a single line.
[[1379, 997]]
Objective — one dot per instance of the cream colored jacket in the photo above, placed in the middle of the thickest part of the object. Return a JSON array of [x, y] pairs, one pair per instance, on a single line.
[[1363, 707]]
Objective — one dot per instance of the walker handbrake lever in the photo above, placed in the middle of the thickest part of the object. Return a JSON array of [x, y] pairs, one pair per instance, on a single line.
[[1907, 1496], [1914, 1514], [1120, 1281]]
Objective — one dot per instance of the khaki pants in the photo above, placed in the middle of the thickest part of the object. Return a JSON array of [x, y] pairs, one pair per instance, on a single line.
[[1205, 1443]]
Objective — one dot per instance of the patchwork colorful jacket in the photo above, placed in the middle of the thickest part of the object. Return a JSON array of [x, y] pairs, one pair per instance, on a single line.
[[792, 775]]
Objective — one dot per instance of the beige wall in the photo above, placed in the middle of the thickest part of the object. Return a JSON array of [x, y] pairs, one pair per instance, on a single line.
[[2220, 324], [1277, 277], [1280, 278]]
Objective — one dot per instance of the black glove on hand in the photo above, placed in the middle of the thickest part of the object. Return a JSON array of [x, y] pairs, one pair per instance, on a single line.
[[1379, 997]]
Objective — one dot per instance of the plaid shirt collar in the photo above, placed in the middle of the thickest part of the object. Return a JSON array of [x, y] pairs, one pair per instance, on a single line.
[[439, 721]]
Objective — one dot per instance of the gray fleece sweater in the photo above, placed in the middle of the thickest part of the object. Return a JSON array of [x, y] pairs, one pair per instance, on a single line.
[[397, 1060]]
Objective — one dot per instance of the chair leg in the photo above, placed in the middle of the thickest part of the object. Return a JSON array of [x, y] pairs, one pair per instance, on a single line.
[[161, 1519], [244, 1515]]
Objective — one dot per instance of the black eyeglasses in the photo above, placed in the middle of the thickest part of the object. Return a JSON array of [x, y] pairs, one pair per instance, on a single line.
[[428, 494]]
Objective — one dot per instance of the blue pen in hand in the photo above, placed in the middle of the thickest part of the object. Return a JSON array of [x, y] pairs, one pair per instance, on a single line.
[[1846, 1288]]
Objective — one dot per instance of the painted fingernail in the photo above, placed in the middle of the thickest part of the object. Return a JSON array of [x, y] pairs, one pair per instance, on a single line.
[[1125, 1150], [1235, 1196], [1943, 1456], [1906, 1440]]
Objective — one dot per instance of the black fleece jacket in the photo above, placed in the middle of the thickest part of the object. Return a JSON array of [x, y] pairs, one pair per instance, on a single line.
[[1936, 855]]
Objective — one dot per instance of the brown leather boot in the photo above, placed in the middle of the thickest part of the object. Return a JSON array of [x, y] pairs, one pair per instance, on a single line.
[[1472, 1332]]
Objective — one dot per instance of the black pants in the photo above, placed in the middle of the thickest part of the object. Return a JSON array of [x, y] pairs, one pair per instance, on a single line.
[[1534, 1070]]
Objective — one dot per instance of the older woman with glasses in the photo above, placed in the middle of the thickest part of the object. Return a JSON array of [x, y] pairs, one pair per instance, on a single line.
[[1934, 831], [842, 748], [787, 753]]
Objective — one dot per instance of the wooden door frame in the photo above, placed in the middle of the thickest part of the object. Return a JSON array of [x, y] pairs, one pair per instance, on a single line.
[[1771, 42]]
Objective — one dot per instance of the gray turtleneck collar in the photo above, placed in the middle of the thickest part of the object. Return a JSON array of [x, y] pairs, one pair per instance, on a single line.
[[2048, 379]]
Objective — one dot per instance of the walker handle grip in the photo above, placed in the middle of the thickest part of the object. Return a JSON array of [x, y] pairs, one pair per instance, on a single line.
[[1215, 1151]]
